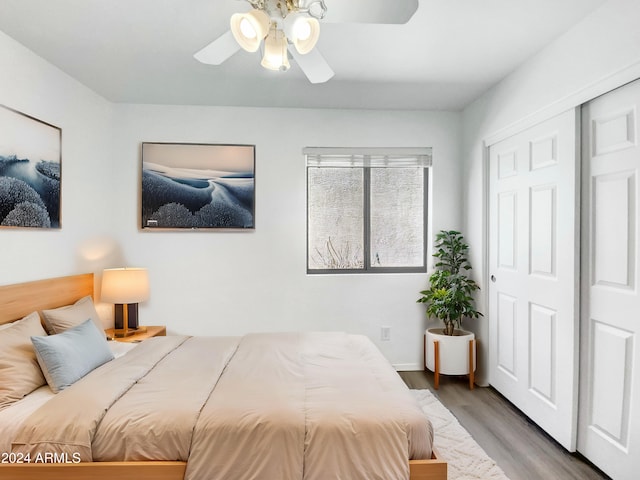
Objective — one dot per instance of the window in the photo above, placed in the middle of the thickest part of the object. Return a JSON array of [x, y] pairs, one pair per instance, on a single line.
[[366, 210]]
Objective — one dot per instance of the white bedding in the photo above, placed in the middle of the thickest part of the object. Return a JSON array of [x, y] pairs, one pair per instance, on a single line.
[[286, 406], [12, 416], [120, 348]]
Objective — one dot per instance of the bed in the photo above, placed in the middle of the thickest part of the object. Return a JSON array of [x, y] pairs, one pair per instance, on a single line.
[[308, 451]]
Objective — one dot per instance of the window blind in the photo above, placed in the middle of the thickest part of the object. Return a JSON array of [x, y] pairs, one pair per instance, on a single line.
[[368, 157]]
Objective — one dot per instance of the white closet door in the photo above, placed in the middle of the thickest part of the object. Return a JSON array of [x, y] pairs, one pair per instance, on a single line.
[[609, 421], [533, 266]]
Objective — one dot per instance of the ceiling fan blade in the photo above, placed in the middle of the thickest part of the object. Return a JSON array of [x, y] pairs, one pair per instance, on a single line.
[[313, 64], [369, 11], [219, 50]]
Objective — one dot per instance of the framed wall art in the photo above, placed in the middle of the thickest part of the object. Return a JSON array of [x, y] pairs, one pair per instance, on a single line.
[[198, 186], [30, 171]]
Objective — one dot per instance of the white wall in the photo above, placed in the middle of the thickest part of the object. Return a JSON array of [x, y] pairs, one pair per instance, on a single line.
[[597, 55], [218, 283], [235, 282], [32, 86]]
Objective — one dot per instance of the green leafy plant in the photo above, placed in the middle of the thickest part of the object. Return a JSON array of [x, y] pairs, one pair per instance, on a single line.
[[450, 293]]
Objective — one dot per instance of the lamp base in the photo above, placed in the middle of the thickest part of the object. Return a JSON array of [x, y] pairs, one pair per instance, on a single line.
[[122, 333], [126, 320], [125, 314]]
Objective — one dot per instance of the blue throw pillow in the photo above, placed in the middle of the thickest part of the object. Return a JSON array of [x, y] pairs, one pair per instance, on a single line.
[[68, 356]]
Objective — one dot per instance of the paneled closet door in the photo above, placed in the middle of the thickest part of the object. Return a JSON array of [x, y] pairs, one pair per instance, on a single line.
[[533, 268], [609, 421]]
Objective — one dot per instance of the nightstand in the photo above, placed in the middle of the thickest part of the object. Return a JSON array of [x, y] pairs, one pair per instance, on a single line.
[[152, 331]]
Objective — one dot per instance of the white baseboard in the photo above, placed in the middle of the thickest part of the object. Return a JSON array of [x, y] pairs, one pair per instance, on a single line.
[[407, 367]]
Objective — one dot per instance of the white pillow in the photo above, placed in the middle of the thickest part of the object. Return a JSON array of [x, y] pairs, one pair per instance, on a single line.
[[20, 373], [68, 356], [58, 320]]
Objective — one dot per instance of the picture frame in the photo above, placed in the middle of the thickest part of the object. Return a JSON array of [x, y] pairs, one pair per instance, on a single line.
[[30, 171], [197, 186]]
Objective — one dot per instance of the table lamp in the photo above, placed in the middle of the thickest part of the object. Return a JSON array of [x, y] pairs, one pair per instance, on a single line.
[[125, 288]]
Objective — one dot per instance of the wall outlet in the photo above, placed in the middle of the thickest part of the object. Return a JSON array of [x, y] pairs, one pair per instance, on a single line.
[[385, 334]]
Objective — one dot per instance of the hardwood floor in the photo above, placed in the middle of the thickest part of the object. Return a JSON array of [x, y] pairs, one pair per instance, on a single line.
[[521, 448]]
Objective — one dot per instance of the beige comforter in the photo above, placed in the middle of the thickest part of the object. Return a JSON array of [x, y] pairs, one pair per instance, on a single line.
[[264, 406]]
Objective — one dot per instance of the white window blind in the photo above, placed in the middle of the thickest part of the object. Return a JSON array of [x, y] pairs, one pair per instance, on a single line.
[[368, 157]]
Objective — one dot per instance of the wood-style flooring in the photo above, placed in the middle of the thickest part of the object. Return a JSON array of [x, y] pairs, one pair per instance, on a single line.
[[520, 448]]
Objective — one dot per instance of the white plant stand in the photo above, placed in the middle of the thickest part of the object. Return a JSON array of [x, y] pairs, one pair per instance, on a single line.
[[450, 355]]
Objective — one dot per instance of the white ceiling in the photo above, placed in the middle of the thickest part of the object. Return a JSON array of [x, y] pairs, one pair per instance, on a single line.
[[140, 51]]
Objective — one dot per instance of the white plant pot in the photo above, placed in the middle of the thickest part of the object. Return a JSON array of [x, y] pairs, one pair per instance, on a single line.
[[453, 351]]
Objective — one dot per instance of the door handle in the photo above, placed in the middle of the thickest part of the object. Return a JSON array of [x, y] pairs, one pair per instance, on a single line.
[[493, 278]]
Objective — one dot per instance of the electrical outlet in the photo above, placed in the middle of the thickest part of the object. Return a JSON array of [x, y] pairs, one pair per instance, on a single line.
[[385, 334]]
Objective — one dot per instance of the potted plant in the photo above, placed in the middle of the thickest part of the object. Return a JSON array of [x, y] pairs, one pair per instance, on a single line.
[[450, 299]]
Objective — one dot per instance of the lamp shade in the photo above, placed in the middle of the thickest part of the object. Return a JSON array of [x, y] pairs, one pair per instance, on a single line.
[[250, 28], [125, 285], [275, 51], [302, 31]]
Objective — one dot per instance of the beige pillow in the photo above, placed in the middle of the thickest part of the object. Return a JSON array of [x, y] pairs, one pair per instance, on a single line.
[[60, 319], [20, 373], [4, 326]]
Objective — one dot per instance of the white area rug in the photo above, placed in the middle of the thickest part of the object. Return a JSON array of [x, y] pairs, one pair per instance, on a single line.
[[465, 458]]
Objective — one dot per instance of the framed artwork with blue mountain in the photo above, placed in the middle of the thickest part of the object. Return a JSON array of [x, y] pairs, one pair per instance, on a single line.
[[30, 171], [198, 186]]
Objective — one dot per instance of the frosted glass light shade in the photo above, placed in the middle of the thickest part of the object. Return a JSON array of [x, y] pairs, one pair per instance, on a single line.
[[302, 31], [250, 28], [275, 51], [125, 285]]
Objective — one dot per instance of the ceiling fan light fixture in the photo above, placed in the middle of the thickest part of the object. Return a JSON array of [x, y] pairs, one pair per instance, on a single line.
[[302, 31], [275, 51], [250, 28]]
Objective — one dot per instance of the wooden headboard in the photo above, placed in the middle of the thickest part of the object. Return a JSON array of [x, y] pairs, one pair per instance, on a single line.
[[19, 300]]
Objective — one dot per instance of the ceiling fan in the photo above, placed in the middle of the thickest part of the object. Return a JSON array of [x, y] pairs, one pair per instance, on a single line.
[[292, 27]]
